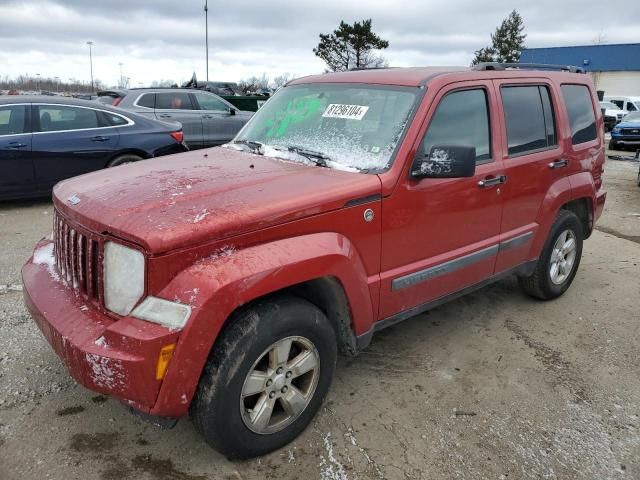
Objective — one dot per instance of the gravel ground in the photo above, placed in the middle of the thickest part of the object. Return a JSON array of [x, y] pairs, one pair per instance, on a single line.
[[494, 385]]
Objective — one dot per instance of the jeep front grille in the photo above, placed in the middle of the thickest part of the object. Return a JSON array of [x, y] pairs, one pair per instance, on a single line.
[[78, 258]]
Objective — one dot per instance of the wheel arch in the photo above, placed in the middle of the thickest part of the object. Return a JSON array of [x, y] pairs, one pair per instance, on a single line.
[[129, 151], [583, 209], [323, 268]]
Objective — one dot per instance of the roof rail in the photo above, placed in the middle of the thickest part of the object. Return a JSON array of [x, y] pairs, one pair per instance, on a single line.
[[527, 66]]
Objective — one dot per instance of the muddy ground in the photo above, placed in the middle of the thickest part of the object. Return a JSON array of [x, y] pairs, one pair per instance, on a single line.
[[495, 385]]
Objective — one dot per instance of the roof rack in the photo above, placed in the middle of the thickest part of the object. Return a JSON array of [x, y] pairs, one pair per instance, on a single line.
[[527, 66]]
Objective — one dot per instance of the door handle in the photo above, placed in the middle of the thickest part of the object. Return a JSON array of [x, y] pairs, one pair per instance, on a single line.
[[164, 115], [558, 164], [100, 138], [492, 181], [17, 145], [207, 116]]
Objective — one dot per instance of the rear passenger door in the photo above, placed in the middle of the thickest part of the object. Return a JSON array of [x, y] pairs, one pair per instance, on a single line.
[[16, 165], [218, 124], [69, 141], [179, 107], [533, 161]]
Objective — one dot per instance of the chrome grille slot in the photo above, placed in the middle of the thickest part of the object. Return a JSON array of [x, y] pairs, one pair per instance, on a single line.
[[77, 257]]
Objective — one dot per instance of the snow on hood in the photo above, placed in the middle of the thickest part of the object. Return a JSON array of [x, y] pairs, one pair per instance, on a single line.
[[204, 195]]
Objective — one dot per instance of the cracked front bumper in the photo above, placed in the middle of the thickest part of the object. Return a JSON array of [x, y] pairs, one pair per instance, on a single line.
[[113, 356]]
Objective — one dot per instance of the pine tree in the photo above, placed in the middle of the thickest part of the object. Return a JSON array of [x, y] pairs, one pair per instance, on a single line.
[[351, 46], [506, 43]]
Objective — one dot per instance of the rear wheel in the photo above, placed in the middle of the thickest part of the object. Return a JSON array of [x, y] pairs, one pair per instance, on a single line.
[[559, 261], [124, 159], [613, 145], [265, 378]]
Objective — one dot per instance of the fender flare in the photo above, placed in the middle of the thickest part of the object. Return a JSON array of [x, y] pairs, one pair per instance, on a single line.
[[217, 285], [557, 195]]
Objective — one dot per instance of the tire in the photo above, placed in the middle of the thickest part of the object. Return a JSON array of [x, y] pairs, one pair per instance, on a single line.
[[613, 145], [542, 283], [219, 411], [638, 181], [123, 159]]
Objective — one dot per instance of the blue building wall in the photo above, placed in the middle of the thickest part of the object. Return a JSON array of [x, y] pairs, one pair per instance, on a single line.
[[593, 58]]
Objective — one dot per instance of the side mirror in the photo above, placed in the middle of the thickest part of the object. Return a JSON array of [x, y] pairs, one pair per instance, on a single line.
[[446, 161], [232, 111]]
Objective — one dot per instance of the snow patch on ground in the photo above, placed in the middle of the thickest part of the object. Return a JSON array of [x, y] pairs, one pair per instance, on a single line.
[[330, 467], [44, 256], [11, 287]]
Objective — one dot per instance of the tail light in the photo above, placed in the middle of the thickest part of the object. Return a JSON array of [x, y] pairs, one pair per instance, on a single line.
[[177, 136], [116, 101]]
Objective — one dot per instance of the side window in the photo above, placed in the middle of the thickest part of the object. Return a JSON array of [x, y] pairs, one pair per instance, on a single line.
[[61, 117], [529, 118], [581, 116], [618, 103], [209, 102], [631, 107], [148, 100], [462, 118], [12, 119], [173, 101], [114, 120]]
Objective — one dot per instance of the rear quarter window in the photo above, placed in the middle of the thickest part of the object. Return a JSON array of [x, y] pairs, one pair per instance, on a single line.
[[582, 118], [147, 100]]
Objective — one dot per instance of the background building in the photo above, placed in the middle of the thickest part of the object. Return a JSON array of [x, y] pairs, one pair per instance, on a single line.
[[614, 68]]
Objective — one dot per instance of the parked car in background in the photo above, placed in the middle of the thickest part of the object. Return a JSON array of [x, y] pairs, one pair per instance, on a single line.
[[626, 134], [624, 103], [47, 139], [612, 115], [207, 120]]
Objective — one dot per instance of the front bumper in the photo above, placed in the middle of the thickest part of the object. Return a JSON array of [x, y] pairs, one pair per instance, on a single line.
[[626, 139], [114, 356]]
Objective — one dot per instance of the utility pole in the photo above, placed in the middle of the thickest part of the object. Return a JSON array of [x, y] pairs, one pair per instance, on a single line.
[[57, 79], [121, 83], [206, 34], [38, 83], [90, 43]]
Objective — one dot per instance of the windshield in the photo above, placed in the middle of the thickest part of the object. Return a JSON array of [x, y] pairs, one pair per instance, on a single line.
[[632, 117], [609, 105], [353, 127]]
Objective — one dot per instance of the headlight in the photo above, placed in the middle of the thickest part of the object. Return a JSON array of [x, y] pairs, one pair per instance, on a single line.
[[167, 313], [123, 277], [616, 130]]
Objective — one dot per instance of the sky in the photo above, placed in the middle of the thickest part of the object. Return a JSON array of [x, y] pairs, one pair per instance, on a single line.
[[164, 39]]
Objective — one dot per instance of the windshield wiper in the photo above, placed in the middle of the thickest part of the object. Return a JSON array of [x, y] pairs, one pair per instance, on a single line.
[[256, 147], [318, 158]]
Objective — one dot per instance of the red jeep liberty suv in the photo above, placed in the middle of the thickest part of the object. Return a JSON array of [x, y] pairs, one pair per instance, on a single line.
[[223, 282]]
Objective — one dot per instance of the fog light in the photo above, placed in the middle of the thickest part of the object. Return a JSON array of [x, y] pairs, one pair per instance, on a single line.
[[164, 312]]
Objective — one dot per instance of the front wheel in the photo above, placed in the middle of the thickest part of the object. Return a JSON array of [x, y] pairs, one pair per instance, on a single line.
[[266, 377], [559, 261]]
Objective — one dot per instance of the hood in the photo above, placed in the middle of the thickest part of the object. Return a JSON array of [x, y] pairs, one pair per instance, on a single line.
[[629, 124], [181, 200]]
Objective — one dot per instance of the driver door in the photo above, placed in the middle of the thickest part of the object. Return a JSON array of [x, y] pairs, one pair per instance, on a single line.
[[441, 235]]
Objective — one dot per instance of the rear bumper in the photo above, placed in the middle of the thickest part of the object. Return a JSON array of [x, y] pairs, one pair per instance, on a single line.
[[117, 357]]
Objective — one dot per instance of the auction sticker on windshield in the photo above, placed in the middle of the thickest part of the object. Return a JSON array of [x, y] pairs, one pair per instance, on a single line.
[[350, 112]]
